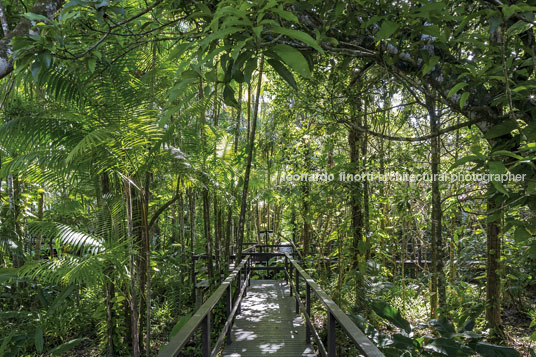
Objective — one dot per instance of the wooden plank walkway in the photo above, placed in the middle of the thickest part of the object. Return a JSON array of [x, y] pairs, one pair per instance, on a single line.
[[268, 324]]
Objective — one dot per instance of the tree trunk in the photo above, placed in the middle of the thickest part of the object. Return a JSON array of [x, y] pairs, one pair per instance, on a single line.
[[40, 206], [133, 294], [191, 196], [354, 138], [243, 204], [493, 287], [208, 236], [438, 290]]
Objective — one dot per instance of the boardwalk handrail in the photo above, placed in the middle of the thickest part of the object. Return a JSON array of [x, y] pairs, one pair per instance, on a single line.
[[334, 314], [202, 316]]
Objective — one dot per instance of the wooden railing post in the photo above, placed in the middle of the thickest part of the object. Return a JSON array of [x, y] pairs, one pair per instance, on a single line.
[[331, 335], [246, 274], [249, 264], [229, 308], [205, 338], [297, 282], [238, 289], [290, 277], [286, 272], [308, 310]]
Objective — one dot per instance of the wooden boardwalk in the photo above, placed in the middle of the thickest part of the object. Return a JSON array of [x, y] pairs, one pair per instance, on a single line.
[[268, 324]]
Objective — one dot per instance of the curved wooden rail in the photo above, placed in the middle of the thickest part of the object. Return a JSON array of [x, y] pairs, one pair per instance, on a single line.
[[202, 315], [335, 315]]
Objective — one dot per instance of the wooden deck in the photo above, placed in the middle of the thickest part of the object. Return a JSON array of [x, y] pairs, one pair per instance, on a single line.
[[268, 324]]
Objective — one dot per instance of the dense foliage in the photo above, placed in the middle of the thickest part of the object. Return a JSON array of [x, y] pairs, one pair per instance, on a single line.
[[137, 136]]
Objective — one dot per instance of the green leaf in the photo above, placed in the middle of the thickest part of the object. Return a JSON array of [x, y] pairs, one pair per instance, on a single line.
[[449, 347], [7, 274], [300, 36], [463, 99], [39, 339], [294, 59], [36, 17], [283, 72], [179, 50], [36, 68], [455, 89], [229, 96], [430, 65], [392, 314], [257, 31], [61, 349], [519, 27], [464, 160], [444, 327], [182, 321], [45, 58], [507, 153], [500, 129], [489, 350], [386, 30], [5, 342], [496, 167], [521, 235], [286, 15], [91, 63]]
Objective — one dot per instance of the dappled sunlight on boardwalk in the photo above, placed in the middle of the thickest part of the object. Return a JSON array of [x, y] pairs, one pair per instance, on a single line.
[[268, 324]]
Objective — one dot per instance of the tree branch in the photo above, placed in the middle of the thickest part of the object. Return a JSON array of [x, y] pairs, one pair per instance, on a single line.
[[164, 207], [412, 139]]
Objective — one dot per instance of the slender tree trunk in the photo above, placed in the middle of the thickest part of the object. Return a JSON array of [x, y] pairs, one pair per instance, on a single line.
[[354, 139], [228, 231], [40, 207], [217, 237], [182, 240], [238, 114], [133, 295], [208, 236], [438, 289], [493, 267], [147, 252], [243, 205], [364, 151], [191, 196]]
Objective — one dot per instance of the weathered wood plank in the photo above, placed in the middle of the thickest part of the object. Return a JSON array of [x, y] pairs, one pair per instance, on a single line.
[[268, 324]]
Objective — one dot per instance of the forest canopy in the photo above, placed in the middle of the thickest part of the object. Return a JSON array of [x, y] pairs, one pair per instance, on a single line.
[[145, 145]]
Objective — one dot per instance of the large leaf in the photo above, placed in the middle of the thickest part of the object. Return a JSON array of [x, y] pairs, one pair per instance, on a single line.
[[500, 129], [67, 346], [67, 235], [283, 72], [449, 347], [229, 96], [39, 339], [392, 314], [464, 160], [489, 350], [294, 59], [7, 273], [300, 36], [386, 30], [444, 327], [455, 89], [497, 168]]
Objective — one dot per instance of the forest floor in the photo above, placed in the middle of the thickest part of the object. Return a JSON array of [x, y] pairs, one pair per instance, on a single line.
[[518, 331]]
